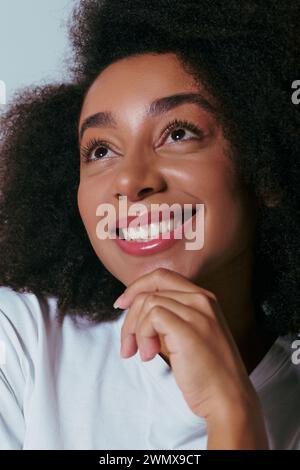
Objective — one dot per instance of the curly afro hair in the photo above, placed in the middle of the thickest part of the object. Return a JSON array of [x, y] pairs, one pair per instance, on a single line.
[[246, 54]]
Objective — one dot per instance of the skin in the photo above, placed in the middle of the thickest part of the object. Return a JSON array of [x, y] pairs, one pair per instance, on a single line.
[[180, 302]]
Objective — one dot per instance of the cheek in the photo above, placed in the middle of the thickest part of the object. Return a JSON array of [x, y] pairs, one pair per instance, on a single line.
[[228, 210], [87, 200], [230, 222]]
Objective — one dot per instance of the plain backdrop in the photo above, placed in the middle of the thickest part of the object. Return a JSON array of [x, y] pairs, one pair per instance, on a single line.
[[33, 42]]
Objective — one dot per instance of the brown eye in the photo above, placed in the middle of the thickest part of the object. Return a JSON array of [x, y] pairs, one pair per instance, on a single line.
[[178, 134], [100, 152], [181, 131], [95, 150]]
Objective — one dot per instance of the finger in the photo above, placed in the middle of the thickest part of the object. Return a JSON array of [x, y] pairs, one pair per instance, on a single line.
[[128, 330], [197, 300], [141, 306], [157, 280], [151, 345], [176, 331]]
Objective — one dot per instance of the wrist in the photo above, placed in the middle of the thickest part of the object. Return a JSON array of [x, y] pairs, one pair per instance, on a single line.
[[237, 424]]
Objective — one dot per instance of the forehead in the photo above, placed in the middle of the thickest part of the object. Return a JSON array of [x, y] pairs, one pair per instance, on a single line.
[[133, 82]]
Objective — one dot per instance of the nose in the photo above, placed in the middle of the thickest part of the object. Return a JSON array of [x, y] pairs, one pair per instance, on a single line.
[[138, 179]]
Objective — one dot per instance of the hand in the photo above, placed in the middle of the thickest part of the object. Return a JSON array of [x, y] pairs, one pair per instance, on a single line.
[[204, 357]]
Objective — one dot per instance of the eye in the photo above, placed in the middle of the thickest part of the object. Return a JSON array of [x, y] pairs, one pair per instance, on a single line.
[[177, 130], [95, 150]]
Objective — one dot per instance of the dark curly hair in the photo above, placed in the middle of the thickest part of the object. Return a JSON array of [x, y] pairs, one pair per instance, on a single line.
[[246, 54]]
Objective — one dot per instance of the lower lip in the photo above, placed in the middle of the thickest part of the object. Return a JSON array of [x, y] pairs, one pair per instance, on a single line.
[[154, 245]]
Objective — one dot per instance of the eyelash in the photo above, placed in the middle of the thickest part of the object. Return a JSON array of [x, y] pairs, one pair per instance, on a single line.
[[94, 143]]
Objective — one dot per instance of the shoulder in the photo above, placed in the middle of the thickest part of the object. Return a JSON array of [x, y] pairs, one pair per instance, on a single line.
[[22, 315], [289, 345], [277, 381], [280, 359], [19, 304]]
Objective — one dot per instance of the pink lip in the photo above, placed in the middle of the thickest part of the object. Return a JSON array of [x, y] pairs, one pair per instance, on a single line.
[[156, 244]]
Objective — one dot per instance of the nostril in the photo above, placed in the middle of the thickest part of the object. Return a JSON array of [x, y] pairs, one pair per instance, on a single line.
[[144, 191]]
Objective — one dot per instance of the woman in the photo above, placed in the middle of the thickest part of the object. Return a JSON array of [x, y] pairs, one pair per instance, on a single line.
[[186, 103]]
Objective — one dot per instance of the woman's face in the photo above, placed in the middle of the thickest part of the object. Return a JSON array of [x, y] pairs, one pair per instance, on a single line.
[[141, 161]]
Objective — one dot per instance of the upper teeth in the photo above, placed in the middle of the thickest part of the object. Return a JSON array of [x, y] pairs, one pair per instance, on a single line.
[[147, 232]]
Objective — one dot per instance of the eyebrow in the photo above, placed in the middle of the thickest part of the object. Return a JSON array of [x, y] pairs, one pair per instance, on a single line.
[[157, 107]]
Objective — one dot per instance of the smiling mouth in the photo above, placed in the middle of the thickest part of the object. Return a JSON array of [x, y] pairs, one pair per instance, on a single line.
[[152, 231]]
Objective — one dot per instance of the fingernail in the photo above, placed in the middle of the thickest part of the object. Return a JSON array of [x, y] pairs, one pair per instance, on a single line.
[[120, 302]]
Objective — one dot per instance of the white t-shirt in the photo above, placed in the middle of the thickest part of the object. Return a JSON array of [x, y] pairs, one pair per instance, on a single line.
[[67, 387]]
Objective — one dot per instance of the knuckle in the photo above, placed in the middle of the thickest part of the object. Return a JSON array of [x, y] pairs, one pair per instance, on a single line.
[[161, 272], [140, 297], [189, 316], [151, 300], [213, 297], [205, 302], [156, 312]]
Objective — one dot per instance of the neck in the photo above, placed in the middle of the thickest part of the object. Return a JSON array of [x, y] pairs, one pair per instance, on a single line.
[[232, 286]]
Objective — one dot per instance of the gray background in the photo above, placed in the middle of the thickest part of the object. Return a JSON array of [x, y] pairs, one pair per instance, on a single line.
[[33, 42]]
